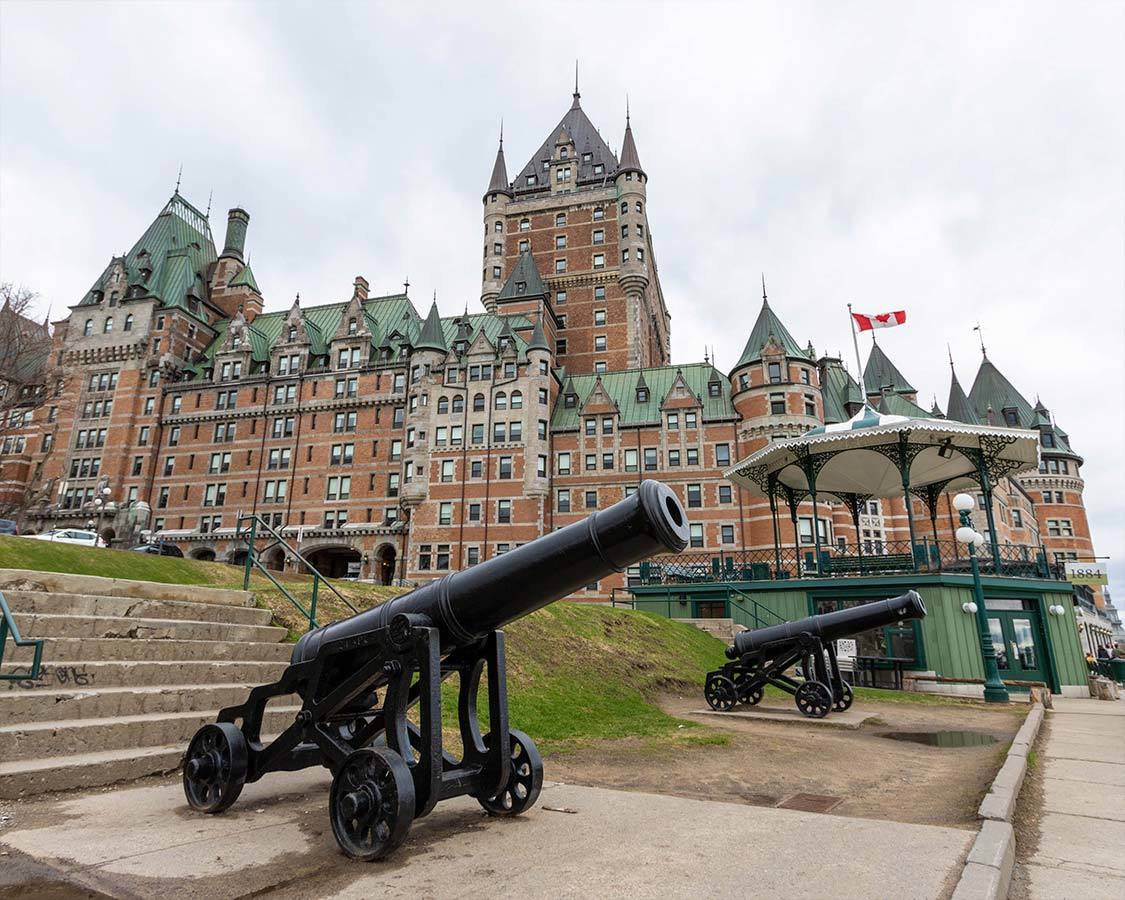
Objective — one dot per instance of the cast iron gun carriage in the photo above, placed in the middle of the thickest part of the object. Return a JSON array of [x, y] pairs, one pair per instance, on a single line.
[[387, 771], [762, 656]]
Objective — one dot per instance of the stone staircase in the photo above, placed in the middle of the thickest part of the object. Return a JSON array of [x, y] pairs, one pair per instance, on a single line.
[[723, 629], [130, 670]]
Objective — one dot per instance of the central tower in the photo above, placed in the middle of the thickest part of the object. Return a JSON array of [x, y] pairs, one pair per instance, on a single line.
[[569, 239]]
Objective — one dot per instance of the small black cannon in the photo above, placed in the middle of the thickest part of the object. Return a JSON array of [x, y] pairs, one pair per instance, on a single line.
[[762, 656], [387, 770]]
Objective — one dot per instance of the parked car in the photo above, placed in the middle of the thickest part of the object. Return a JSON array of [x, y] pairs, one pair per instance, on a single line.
[[8, 526], [160, 548], [70, 536]]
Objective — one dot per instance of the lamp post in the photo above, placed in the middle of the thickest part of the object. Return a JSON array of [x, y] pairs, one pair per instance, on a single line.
[[100, 502], [994, 690]]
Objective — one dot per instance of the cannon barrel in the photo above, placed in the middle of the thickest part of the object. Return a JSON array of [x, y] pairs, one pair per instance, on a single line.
[[834, 625], [464, 606]]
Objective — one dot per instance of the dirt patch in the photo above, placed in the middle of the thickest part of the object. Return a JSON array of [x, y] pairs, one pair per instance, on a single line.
[[1026, 819], [765, 763]]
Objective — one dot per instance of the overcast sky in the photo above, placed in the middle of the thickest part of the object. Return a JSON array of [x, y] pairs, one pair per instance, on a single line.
[[961, 161]]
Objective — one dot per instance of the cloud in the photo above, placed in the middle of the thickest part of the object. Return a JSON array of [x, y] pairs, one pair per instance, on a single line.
[[963, 161]]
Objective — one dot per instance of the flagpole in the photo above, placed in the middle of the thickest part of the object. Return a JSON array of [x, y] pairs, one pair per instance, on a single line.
[[858, 365]]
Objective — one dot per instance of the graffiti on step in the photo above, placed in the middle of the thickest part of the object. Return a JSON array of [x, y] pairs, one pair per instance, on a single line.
[[51, 676]]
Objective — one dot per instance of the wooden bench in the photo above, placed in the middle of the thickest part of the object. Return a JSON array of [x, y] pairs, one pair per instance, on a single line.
[[851, 565]]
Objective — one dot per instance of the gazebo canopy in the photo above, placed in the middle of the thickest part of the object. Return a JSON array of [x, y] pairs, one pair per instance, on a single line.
[[867, 455]]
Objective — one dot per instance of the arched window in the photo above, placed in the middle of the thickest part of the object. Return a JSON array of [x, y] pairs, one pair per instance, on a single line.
[[113, 299], [525, 224], [107, 328], [501, 401], [88, 328], [517, 400], [443, 405], [128, 323], [638, 206], [478, 402], [560, 219], [458, 404], [624, 207]]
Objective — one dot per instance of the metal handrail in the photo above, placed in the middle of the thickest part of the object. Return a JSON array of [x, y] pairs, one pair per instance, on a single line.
[[252, 561], [8, 625], [757, 605]]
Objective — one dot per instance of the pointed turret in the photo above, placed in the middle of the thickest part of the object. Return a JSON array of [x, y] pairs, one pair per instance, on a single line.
[[880, 373], [538, 338], [630, 161], [767, 328], [498, 183], [245, 278], [525, 281], [432, 336], [958, 408]]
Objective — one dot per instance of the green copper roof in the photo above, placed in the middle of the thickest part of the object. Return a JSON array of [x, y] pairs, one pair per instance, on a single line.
[[991, 390], [959, 409], [766, 325], [880, 372], [538, 338], [432, 336], [524, 280], [245, 278], [178, 249], [622, 388], [898, 405], [839, 389]]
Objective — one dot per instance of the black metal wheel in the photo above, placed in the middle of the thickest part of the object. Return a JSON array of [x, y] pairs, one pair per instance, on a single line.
[[371, 804], [846, 698], [751, 698], [720, 693], [215, 767], [524, 783], [814, 699]]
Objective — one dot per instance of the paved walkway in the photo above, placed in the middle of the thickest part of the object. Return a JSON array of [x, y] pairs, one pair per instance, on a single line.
[[1082, 828], [578, 842]]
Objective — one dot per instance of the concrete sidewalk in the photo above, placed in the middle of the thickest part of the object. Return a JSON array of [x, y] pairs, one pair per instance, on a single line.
[[578, 842], [1082, 829]]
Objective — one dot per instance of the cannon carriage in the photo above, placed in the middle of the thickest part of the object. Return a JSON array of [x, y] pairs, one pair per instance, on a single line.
[[387, 770], [765, 655]]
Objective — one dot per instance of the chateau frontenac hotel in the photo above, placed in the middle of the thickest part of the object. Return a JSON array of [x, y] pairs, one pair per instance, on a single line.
[[389, 442]]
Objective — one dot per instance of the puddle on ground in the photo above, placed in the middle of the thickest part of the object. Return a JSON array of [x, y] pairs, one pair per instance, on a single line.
[[943, 738]]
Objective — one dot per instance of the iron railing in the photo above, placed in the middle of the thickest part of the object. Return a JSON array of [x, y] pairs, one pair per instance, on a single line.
[[756, 612], [253, 561], [842, 560], [8, 627]]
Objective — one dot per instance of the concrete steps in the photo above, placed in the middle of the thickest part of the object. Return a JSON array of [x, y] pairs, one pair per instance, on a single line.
[[130, 671]]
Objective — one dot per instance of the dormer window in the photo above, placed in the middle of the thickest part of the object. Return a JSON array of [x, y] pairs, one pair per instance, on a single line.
[[236, 342], [562, 175], [714, 389], [532, 180], [563, 152], [587, 157], [1048, 439], [521, 287], [570, 401], [353, 326], [642, 395], [292, 333], [599, 169], [1011, 417]]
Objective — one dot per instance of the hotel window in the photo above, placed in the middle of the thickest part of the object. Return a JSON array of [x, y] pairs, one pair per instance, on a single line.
[[591, 462], [524, 247], [560, 297], [505, 467], [743, 381], [607, 461], [476, 469], [560, 241], [562, 466], [725, 493], [339, 487], [591, 426], [525, 224], [496, 272], [691, 420], [599, 260], [640, 254], [694, 496], [392, 484], [599, 292], [504, 511], [673, 421], [498, 433], [442, 561], [714, 389], [445, 514], [727, 534], [774, 369], [599, 316], [599, 213], [696, 535], [625, 255], [600, 367], [810, 406], [560, 266], [624, 232], [560, 346], [599, 236], [777, 404], [474, 512], [560, 218], [722, 455], [541, 465], [673, 457], [650, 459], [396, 449], [1011, 418], [631, 461], [599, 343], [515, 431], [642, 395], [425, 556], [693, 456], [804, 528], [447, 470], [563, 501], [1017, 519]]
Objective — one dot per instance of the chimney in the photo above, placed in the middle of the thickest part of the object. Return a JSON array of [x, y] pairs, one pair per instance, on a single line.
[[360, 288], [235, 243]]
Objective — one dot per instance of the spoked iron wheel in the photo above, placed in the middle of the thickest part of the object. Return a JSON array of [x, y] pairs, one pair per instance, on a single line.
[[846, 698], [215, 767], [814, 699], [371, 804], [525, 782], [751, 698], [720, 693]]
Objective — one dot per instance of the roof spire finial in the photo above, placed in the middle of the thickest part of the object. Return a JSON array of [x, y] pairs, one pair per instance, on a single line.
[[207, 215], [765, 300], [626, 110], [179, 175], [949, 350], [501, 132], [576, 94], [406, 286], [980, 334]]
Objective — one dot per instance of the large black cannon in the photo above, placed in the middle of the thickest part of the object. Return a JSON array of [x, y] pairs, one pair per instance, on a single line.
[[388, 771], [763, 656]]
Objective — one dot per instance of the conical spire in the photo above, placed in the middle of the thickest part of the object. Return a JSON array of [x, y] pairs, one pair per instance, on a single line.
[[880, 372], [574, 104], [524, 282], [958, 408], [432, 336], [767, 326], [630, 161], [538, 338], [498, 183]]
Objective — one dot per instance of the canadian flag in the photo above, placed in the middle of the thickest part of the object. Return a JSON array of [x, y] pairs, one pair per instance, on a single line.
[[880, 320]]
